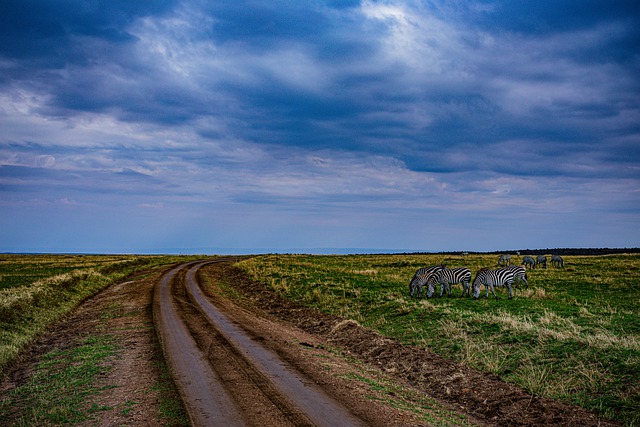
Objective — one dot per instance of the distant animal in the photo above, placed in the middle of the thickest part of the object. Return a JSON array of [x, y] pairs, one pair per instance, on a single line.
[[528, 261], [492, 278], [448, 276], [420, 278], [541, 260], [505, 260], [557, 261], [519, 275]]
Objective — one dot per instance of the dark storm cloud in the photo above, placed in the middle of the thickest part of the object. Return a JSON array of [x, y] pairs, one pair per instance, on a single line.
[[260, 23], [78, 52], [46, 29], [391, 105], [553, 16], [315, 80]]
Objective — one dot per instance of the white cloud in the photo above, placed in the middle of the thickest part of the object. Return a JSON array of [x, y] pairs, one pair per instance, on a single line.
[[415, 37], [526, 75]]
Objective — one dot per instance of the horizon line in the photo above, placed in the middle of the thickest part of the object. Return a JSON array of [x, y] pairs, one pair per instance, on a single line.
[[309, 251]]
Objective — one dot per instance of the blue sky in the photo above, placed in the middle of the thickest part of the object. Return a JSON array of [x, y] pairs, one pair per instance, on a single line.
[[207, 126]]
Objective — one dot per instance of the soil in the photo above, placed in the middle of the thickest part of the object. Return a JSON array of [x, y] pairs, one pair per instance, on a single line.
[[315, 343]]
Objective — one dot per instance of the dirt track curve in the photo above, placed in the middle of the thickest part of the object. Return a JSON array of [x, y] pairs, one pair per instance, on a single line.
[[225, 375]]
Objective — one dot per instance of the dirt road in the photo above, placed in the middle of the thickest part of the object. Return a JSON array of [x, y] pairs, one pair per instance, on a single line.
[[226, 376]]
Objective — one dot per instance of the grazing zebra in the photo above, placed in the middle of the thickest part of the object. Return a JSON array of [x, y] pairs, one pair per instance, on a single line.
[[420, 278], [491, 278], [446, 277], [528, 261], [541, 259], [519, 274], [505, 260], [557, 261]]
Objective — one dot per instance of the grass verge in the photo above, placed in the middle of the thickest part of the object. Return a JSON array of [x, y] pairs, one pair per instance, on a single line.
[[57, 391], [380, 388], [65, 384], [28, 307]]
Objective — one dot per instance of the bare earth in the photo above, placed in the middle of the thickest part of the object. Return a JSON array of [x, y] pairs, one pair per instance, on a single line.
[[324, 349]]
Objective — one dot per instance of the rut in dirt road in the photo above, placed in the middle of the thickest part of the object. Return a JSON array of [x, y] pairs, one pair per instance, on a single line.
[[225, 376]]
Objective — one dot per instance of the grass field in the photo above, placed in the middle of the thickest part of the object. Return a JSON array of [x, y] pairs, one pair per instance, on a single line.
[[37, 290], [573, 335]]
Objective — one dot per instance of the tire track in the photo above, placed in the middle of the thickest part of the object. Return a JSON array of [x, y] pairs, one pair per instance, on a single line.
[[226, 377], [207, 402]]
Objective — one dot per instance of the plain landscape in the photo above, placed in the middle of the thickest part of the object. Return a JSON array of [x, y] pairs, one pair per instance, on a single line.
[[571, 336], [216, 210]]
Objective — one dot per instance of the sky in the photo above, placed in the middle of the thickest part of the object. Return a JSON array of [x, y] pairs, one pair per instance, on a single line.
[[318, 126]]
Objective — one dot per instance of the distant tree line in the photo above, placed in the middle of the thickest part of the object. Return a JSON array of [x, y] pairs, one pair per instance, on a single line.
[[557, 251]]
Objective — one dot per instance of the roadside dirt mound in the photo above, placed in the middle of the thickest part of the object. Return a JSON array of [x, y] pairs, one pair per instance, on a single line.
[[480, 395]]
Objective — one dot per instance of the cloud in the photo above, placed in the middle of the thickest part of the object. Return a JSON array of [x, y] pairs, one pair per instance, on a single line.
[[361, 110]]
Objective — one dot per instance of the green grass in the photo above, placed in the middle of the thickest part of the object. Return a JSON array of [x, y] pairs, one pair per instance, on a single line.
[[574, 335], [64, 381], [407, 399], [171, 408], [37, 290], [23, 270], [58, 388]]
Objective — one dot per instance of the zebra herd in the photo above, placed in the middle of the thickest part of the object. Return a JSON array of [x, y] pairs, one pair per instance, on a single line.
[[505, 275], [541, 260]]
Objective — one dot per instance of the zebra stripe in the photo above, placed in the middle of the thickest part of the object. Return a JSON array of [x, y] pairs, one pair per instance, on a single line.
[[520, 274], [491, 278], [448, 276], [420, 278]]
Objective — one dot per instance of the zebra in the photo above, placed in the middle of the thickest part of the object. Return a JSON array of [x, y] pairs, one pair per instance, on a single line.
[[504, 260], [541, 259], [557, 261], [519, 274], [528, 261], [491, 278], [446, 277], [420, 278]]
